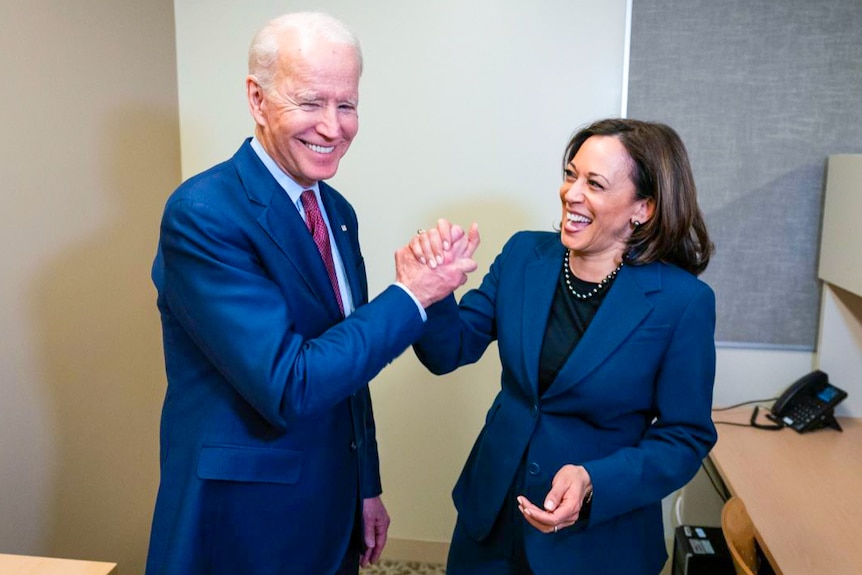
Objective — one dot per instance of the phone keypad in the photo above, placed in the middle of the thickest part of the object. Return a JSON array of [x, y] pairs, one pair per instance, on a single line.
[[803, 412]]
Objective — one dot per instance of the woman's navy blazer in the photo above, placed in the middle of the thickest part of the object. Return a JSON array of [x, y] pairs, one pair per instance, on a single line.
[[631, 404]]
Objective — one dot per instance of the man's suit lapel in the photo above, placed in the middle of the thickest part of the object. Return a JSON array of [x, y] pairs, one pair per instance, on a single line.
[[341, 233], [281, 221], [624, 308]]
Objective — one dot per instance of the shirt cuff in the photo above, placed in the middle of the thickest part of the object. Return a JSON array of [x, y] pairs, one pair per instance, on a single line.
[[415, 300]]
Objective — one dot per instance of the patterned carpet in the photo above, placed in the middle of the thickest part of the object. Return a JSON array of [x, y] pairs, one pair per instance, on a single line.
[[389, 567]]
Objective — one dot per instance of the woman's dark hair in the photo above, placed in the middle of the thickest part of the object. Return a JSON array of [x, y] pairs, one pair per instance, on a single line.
[[661, 171]]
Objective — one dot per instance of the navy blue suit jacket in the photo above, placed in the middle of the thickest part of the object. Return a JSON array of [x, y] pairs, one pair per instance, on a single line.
[[267, 433], [631, 404]]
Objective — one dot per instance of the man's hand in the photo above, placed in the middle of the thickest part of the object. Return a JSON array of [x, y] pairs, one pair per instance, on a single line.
[[376, 521], [432, 276]]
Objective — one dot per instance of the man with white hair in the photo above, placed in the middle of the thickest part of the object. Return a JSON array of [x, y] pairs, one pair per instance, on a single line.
[[269, 458]]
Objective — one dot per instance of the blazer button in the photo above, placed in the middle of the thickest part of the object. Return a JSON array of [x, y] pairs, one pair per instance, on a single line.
[[534, 468], [534, 411], [352, 446]]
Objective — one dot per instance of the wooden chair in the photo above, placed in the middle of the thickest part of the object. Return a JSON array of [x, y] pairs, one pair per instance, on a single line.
[[739, 534]]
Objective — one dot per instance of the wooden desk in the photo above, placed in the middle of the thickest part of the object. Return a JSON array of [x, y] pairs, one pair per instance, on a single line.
[[27, 565], [803, 492]]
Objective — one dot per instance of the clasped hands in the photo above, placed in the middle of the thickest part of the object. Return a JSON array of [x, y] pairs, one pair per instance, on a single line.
[[434, 263]]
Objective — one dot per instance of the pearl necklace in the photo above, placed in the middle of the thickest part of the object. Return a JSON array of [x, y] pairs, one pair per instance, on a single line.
[[599, 286]]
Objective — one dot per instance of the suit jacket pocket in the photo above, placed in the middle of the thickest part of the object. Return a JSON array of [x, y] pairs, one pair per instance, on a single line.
[[249, 464]]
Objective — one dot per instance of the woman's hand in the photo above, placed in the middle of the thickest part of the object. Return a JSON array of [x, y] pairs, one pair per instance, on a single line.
[[570, 490], [433, 247]]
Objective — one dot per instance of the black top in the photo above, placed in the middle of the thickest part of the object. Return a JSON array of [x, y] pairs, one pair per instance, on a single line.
[[567, 323]]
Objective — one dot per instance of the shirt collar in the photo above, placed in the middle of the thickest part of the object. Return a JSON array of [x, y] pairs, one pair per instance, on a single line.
[[287, 183]]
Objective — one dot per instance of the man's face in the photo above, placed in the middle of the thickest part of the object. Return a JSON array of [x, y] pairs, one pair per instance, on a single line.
[[308, 120]]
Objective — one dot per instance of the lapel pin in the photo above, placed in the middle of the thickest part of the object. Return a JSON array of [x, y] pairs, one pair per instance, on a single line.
[[343, 228]]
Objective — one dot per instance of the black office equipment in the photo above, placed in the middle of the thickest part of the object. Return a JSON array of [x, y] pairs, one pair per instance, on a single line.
[[808, 403], [700, 551]]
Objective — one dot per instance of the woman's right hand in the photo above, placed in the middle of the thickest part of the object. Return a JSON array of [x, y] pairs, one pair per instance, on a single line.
[[435, 246], [439, 278], [571, 489]]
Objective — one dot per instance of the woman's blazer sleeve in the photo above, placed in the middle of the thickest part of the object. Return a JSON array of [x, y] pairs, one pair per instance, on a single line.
[[682, 433], [458, 334]]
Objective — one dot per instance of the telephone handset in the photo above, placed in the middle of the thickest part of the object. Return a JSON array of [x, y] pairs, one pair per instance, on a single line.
[[808, 403]]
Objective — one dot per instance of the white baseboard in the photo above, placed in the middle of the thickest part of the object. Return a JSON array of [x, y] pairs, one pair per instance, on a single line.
[[415, 550]]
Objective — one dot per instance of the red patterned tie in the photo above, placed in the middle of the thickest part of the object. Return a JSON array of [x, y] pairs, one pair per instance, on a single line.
[[317, 227]]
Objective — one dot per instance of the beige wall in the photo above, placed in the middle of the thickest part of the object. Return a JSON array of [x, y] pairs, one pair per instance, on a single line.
[[90, 150]]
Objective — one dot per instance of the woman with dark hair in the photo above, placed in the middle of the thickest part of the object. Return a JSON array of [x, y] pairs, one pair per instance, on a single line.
[[606, 340]]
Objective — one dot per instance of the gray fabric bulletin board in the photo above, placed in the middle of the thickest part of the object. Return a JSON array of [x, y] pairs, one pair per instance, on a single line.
[[761, 93]]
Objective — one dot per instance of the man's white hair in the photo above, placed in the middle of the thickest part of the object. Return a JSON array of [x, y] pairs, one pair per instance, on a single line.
[[264, 49]]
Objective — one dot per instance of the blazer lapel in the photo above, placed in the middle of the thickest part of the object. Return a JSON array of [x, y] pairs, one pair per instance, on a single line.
[[540, 282], [281, 221], [624, 308], [346, 249]]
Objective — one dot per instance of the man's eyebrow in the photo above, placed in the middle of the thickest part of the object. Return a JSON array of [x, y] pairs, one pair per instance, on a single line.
[[306, 95]]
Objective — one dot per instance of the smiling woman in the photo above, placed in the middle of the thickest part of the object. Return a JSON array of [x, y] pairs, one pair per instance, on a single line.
[[607, 365], [600, 207]]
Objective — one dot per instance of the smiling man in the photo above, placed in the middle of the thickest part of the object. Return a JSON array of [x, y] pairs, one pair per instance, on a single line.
[[269, 458]]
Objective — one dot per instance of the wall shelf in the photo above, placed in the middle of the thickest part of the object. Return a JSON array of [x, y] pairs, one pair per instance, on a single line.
[[839, 346]]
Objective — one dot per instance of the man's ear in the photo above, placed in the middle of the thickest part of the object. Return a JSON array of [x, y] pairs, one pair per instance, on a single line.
[[255, 98]]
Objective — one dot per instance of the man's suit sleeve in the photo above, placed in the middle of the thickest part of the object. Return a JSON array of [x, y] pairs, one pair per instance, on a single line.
[[215, 284], [458, 334], [370, 485]]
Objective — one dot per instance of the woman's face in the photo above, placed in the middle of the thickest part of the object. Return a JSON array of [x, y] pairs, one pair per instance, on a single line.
[[599, 200]]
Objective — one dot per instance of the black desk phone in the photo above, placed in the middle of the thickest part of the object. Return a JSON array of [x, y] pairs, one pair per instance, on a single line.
[[808, 403]]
